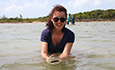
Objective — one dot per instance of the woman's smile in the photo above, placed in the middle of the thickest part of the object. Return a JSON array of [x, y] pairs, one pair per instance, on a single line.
[[59, 25]]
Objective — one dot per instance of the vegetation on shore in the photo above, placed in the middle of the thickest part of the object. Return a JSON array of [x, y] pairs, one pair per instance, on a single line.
[[94, 15]]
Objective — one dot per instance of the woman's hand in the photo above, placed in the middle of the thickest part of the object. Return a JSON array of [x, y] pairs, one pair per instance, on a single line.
[[49, 57]]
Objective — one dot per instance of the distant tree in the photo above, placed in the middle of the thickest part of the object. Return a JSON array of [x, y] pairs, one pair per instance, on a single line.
[[20, 16], [4, 17]]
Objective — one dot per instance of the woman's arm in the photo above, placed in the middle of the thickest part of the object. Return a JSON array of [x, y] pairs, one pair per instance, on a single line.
[[44, 52], [66, 50]]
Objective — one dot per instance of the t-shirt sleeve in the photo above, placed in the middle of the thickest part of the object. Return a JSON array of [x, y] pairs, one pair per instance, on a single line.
[[71, 37], [44, 36]]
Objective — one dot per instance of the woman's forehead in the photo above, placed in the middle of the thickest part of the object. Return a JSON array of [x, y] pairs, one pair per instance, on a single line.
[[57, 13]]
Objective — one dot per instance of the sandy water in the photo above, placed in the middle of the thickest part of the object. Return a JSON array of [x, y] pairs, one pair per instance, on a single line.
[[94, 47]]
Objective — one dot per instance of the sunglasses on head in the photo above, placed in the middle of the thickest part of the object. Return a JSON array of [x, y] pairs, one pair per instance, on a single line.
[[62, 19]]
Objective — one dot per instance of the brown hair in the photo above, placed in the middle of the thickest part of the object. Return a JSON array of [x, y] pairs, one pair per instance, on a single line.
[[59, 8]]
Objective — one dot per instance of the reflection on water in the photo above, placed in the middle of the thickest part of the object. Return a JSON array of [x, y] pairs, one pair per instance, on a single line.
[[94, 47]]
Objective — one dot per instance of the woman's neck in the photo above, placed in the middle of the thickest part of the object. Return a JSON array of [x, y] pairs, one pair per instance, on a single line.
[[57, 31]]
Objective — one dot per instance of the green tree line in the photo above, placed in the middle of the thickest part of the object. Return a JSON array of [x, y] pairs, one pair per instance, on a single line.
[[94, 15], [22, 20]]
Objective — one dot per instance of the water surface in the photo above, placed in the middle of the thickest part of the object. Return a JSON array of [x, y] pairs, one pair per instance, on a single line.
[[94, 47]]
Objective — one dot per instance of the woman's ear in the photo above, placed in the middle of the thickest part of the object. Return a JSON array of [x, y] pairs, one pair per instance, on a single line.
[[51, 19]]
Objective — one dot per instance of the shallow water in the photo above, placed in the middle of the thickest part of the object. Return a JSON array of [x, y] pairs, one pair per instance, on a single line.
[[94, 47]]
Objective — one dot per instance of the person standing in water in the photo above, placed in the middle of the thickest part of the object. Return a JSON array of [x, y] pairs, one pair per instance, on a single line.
[[56, 37], [73, 19], [68, 19]]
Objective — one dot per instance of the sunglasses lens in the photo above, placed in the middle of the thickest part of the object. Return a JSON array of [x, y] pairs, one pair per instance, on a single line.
[[55, 19], [62, 19]]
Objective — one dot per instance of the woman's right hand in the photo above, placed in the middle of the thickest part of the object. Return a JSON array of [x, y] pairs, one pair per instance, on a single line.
[[49, 57]]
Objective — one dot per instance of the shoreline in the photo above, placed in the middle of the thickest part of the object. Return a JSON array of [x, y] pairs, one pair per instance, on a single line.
[[21, 22], [46, 22]]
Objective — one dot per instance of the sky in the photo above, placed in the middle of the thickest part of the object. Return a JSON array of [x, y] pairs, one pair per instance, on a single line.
[[41, 8]]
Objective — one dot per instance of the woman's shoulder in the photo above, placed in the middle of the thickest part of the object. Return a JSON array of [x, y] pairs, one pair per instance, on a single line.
[[68, 31], [69, 35], [46, 30], [45, 35]]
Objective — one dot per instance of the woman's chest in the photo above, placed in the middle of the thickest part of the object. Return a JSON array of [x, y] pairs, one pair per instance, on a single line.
[[56, 39]]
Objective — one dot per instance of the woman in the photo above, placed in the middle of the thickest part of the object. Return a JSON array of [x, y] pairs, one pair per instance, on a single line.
[[56, 37]]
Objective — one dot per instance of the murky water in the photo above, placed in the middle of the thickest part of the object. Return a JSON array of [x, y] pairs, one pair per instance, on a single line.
[[94, 47]]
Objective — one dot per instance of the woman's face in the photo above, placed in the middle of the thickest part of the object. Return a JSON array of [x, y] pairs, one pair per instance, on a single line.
[[59, 20]]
